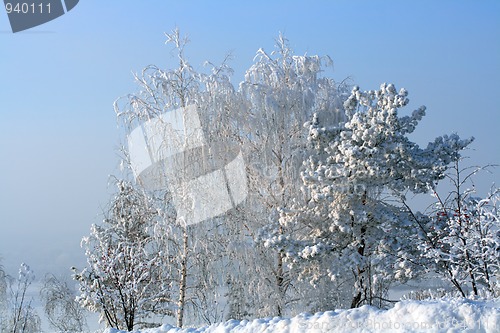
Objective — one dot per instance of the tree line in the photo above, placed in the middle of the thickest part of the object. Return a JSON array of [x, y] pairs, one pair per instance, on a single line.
[[328, 221]]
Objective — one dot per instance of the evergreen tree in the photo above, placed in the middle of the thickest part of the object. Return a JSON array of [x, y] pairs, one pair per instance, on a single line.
[[351, 228]]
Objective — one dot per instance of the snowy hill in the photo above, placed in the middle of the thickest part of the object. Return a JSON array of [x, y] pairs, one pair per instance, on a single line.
[[445, 315]]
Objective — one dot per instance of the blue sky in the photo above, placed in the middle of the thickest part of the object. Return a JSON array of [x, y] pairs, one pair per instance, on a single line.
[[58, 133]]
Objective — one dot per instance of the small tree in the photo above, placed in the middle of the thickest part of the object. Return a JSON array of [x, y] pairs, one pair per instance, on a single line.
[[20, 316], [460, 238], [61, 308], [125, 279], [3, 296], [351, 226]]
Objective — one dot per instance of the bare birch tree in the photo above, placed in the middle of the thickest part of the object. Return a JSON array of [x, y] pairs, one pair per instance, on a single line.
[[60, 306]]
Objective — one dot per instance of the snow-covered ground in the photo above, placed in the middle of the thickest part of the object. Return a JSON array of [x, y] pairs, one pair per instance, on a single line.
[[444, 315]]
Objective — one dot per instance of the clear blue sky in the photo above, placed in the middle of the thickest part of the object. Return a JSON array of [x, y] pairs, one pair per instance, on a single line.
[[58, 134]]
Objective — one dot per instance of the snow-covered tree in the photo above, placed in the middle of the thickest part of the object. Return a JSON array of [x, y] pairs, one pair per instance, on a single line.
[[213, 97], [125, 280], [351, 228], [20, 316], [60, 306], [3, 296], [460, 238], [282, 91]]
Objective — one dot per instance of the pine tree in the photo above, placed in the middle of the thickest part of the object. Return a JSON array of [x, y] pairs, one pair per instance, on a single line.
[[351, 228]]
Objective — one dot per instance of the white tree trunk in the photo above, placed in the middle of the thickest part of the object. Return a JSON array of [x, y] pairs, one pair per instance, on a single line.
[[182, 282]]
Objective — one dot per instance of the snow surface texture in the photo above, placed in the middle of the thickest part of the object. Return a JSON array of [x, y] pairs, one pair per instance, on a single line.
[[445, 315]]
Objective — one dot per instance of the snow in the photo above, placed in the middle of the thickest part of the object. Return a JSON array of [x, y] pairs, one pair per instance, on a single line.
[[443, 315]]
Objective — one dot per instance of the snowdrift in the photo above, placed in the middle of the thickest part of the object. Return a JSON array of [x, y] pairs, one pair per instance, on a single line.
[[444, 315]]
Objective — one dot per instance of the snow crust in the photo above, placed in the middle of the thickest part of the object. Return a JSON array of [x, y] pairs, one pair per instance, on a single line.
[[444, 315]]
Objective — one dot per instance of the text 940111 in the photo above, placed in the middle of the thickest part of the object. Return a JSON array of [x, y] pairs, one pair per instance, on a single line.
[[27, 8], [26, 14]]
